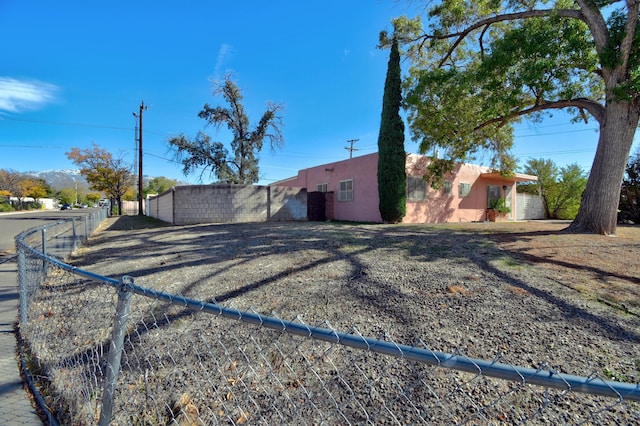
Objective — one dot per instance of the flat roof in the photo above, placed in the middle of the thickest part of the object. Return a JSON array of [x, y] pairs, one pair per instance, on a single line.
[[517, 177]]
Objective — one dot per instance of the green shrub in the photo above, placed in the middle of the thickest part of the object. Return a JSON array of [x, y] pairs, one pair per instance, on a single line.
[[5, 207], [500, 205]]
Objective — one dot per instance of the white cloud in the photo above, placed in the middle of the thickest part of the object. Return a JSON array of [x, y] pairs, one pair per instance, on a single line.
[[21, 95], [223, 55]]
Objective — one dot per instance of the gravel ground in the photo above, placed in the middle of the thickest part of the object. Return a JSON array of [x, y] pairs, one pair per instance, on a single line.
[[523, 293]]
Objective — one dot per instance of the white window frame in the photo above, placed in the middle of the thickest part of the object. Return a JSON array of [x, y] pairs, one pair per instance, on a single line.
[[345, 190], [494, 192], [464, 189], [447, 187], [322, 187], [416, 188]]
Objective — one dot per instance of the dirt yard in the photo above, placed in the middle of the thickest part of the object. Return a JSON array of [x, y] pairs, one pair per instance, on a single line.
[[473, 280], [606, 269], [525, 292]]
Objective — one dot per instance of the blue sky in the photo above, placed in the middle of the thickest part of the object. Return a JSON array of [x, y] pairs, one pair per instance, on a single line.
[[73, 72]]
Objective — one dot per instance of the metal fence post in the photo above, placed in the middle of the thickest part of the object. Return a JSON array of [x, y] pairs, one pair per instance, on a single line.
[[73, 220], [86, 228], [123, 310], [44, 251], [22, 285]]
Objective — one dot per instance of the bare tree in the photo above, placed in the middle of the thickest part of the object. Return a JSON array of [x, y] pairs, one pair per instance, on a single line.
[[246, 143]]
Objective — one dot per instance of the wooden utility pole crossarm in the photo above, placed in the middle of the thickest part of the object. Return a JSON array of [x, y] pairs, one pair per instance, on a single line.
[[351, 148]]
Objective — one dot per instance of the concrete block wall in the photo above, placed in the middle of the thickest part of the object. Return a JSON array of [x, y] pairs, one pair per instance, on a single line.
[[194, 204], [152, 202], [287, 203], [529, 207], [164, 208], [161, 206], [219, 204]]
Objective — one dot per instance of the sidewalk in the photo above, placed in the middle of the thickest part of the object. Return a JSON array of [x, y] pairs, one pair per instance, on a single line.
[[15, 406]]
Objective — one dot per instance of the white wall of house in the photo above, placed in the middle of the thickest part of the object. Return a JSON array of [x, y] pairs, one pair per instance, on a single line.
[[47, 203]]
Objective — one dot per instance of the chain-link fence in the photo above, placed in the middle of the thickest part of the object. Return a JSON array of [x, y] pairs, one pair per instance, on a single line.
[[111, 352]]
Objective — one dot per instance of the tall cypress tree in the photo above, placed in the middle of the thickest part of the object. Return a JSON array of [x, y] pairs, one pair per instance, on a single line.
[[392, 178]]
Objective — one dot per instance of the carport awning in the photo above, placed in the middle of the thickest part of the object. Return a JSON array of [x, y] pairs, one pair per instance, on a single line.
[[518, 177]]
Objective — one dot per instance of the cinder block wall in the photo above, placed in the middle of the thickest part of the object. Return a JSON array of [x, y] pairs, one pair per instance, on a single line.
[[287, 203], [165, 207], [219, 204], [161, 206], [529, 206], [153, 206], [193, 204]]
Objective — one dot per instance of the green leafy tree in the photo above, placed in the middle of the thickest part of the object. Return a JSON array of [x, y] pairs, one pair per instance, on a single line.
[[103, 171], [34, 188], [19, 185], [482, 65], [93, 198], [547, 173], [561, 188], [159, 184], [246, 144], [66, 196], [630, 194], [130, 195], [392, 177]]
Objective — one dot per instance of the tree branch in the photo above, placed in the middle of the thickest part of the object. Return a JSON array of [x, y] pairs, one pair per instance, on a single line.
[[537, 13], [594, 108], [630, 29], [596, 23]]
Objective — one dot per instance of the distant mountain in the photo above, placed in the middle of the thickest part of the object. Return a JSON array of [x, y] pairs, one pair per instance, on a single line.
[[59, 179]]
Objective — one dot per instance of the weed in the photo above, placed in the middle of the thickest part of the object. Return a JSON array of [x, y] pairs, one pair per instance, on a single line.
[[456, 289], [612, 375]]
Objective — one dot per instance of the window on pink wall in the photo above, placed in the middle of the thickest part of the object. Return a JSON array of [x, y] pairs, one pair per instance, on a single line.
[[464, 189], [346, 190], [493, 193], [447, 187], [322, 187], [416, 188]]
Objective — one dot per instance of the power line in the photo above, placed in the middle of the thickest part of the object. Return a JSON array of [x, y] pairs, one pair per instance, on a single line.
[[572, 151], [556, 133], [161, 158], [34, 146], [62, 123]]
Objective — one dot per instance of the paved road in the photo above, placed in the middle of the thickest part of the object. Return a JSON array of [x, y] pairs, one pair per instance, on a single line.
[[15, 406]]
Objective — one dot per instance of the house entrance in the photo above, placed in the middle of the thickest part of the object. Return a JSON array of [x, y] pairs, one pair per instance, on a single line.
[[316, 206]]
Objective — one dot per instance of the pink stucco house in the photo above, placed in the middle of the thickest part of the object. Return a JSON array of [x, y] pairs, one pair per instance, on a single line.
[[464, 196]]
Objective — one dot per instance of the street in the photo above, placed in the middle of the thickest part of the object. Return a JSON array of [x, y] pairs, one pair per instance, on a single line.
[[15, 406], [12, 224]]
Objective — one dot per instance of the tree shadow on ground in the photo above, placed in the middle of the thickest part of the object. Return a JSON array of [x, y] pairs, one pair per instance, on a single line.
[[203, 247], [127, 223]]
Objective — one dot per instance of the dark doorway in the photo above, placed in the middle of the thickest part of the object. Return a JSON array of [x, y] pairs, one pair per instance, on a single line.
[[316, 206]]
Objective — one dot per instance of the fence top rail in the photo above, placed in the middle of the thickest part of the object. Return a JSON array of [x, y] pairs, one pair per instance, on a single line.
[[542, 376], [20, 237], [22, 244]]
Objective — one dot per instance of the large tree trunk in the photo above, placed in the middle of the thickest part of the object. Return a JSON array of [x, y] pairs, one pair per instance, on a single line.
[[599, 208]]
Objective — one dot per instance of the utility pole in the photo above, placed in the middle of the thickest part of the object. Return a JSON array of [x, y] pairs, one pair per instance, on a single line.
[[351, 148], [143, 107]]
